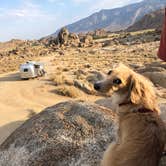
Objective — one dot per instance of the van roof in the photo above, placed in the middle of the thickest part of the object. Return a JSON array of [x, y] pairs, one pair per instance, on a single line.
[[26, 65]]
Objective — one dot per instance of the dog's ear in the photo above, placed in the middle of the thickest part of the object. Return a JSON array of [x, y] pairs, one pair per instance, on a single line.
[[141, 92], [136, 90]]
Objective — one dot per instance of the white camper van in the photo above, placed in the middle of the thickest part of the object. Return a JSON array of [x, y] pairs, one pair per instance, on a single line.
[[31, 69]]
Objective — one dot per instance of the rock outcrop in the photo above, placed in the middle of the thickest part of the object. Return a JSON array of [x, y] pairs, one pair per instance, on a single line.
[[63, 36], [86, 40], [156, 72], [67, 134], [73, 39]]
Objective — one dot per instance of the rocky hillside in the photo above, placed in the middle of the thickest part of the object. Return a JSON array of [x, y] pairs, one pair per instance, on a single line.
[[15, 52], [118, 18], [153, 20]]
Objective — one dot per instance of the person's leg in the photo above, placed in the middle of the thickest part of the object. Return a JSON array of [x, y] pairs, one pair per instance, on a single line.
[[162, 47]]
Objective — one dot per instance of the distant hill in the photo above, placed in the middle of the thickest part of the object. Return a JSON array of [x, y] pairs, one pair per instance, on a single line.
[[118, 18], [153, 20]]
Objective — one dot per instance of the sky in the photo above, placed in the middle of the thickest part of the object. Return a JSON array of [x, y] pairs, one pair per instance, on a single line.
[[33, 19]]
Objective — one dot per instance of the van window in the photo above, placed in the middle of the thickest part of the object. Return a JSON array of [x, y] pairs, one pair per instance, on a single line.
[[25, 70], [37, 66]]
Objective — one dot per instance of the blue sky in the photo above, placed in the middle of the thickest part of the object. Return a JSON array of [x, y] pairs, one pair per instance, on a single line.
[[33, 19]]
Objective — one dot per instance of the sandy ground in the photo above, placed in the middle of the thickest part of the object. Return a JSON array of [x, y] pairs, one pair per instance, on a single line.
[[19, 100]]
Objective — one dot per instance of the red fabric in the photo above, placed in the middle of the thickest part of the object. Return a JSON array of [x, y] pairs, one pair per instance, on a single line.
[[162, 48]]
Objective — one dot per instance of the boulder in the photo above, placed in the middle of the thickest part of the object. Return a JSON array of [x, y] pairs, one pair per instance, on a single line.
[[151, 69], [100, 33], [63, 36], [73, 40], [106, 102], [86, 40], [67, 134], [84, 86], [158, 78], [95, 76], [156, 72]]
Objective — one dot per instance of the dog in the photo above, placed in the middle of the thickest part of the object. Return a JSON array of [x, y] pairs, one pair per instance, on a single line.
[[141, 134]]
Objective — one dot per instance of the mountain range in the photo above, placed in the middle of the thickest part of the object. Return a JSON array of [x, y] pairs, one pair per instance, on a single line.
[[152, 20], [117, 18]]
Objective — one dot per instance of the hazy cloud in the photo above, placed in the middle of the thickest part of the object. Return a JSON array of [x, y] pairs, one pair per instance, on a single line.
[[27, 10]]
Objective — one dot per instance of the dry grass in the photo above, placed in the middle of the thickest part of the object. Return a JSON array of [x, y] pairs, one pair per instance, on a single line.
[[61, 79], [69, 91], [80, 69]]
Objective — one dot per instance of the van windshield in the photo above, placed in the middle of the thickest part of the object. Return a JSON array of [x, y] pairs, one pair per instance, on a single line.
[[37, 66]]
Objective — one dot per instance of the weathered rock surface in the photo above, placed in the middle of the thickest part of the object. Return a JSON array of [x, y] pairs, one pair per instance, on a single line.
[[67, 134], [106, 102], [86, 40], [73, 40], [156, 72], [157, 78], [63, 36]]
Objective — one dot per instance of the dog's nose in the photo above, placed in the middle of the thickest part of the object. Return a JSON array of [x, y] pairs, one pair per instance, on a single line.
[[97, 86]]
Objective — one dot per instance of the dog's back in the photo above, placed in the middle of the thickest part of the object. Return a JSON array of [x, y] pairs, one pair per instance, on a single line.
[[141, 141]]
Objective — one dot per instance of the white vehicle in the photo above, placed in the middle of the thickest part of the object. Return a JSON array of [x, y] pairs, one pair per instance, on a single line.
[[31, 69]]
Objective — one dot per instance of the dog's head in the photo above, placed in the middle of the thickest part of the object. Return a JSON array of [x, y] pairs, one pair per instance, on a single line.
[[117, 79], [129, 84]]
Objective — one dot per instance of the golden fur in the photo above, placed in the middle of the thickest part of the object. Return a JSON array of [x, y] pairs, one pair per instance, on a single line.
[[141, 136]]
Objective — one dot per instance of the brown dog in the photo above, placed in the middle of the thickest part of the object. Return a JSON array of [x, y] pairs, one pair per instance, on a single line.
[[141, 134]]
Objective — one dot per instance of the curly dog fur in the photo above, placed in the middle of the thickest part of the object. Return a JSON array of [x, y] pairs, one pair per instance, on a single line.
[[141, 134]]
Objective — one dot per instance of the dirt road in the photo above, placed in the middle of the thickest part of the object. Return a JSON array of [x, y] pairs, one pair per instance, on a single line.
[[20, 99]]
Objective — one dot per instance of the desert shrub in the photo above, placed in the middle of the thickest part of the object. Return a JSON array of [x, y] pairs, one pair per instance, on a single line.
[[99, 37], [61, 79], [79, 74], [69, 91], [84, 86]]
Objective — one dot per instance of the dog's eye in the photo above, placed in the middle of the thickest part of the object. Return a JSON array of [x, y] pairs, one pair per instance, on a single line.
[[117, 81], [109, 73]]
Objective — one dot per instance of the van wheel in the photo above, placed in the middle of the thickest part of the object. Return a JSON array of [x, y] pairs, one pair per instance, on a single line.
[[39, 73], [24, 78]]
